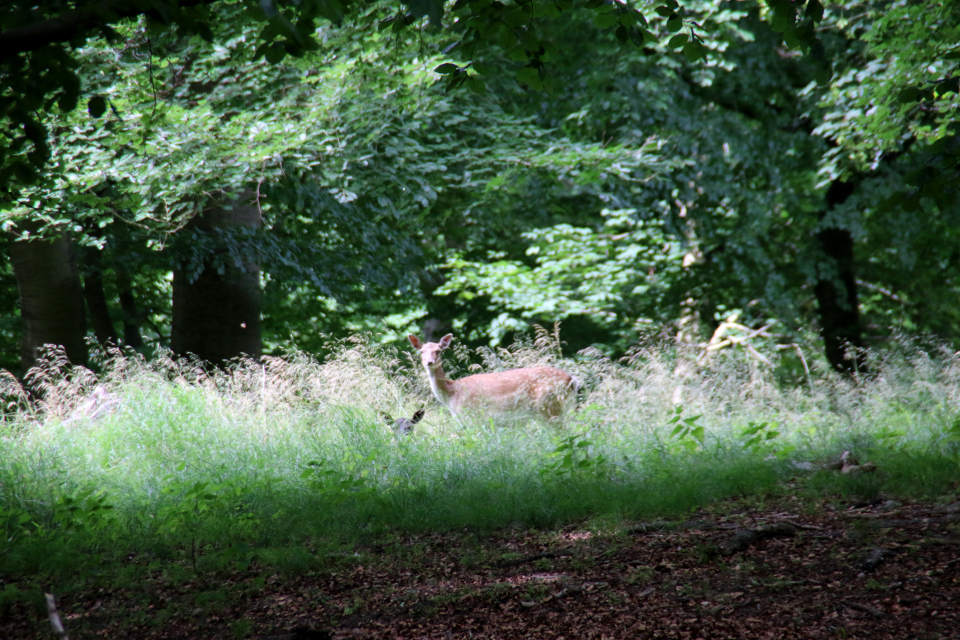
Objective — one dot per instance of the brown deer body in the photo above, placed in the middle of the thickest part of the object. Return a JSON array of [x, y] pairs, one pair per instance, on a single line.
[[543, 391]]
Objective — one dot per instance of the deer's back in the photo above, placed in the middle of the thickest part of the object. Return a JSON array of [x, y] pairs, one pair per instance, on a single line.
[[544, 390]]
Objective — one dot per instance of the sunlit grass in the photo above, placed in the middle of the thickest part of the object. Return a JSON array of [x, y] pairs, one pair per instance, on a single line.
[[287, 460]]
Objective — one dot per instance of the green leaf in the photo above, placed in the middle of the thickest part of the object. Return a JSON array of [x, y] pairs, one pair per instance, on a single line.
[[508, 38], [823, 74], [96, 106], [447, 68], [949, 85], [476, 85], [781, 22], [694, 51], [275, 53], [605, 20], [678, 41], [431, 8], [674, 24], [531, 77], [481, 68], [815, 10], [529, 40], [332, 10], [68, 100], [549, 10], [791, 40], [910, 94]]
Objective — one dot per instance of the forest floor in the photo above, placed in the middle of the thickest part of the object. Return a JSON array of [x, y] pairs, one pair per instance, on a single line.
[[741, 569]]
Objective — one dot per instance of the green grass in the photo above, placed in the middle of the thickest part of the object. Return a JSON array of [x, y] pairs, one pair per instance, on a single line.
[[288, 463]]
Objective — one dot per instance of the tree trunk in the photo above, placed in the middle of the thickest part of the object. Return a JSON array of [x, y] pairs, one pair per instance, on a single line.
[[96, 298], [440, 312], [836, 292], [216, 312], [128, 311], [51, 296]]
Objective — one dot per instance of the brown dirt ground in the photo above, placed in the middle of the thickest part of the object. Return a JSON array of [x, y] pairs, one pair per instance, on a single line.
[[880, 570]]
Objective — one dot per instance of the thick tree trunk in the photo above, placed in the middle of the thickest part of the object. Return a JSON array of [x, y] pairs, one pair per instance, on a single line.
[[836, 292], [51, 296], [216, 313]]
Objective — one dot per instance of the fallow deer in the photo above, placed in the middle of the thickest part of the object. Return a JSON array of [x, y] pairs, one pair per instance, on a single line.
[[403, 426], [543, 391]]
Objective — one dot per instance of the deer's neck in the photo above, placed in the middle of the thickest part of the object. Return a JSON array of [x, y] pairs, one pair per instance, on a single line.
[[441, 386]]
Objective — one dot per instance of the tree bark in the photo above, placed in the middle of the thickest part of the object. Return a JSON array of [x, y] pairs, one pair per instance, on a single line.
[[97, 307], [440, 314], [128, 311], [216, 313], [51, 296], [836, 292]]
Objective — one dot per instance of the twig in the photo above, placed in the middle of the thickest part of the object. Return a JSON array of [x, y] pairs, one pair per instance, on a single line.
[[799, 525], [720, 340], [55, 617], [874, 611], [548, 555], [803, 361]]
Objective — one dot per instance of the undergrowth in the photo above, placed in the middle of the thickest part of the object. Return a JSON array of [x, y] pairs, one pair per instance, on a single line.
[[290, 462]]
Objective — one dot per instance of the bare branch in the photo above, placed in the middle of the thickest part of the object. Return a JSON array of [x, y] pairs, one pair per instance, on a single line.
[[55, 617]]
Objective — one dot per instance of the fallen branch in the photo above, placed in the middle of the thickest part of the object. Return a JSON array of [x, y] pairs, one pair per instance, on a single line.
[[747, 537], [664, 525], [566, 591], [55, 617], [547, 555], [720, 339], [874, 611]]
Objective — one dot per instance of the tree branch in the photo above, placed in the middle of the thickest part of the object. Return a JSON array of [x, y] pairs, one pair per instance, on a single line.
[[76, 23]]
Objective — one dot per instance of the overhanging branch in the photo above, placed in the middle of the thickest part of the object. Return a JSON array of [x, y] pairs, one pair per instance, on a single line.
[[77, 23]]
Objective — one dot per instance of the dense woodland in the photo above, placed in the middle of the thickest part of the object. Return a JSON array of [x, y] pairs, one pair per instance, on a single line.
[[734, 225], [227, 178]]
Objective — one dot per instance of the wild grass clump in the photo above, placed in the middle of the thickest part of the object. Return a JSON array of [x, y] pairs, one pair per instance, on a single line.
[[287, 460]]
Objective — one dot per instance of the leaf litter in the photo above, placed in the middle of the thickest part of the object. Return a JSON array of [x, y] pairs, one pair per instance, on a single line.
[[783, 569]]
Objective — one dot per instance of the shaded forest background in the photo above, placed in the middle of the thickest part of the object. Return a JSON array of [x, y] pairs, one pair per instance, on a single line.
[[307, 182], [227, 178]]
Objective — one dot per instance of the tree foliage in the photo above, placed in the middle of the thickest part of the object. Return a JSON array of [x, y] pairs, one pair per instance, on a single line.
[[492, 165]]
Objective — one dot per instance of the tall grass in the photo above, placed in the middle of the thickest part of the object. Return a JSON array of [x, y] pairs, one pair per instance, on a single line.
[[287, 459]]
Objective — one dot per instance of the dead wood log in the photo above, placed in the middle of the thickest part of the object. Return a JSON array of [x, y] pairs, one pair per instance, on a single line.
[[747, 537]]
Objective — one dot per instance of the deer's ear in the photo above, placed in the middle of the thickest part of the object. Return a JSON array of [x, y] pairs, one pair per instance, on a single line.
[[417, 416], [446, 340], [415, 341]]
